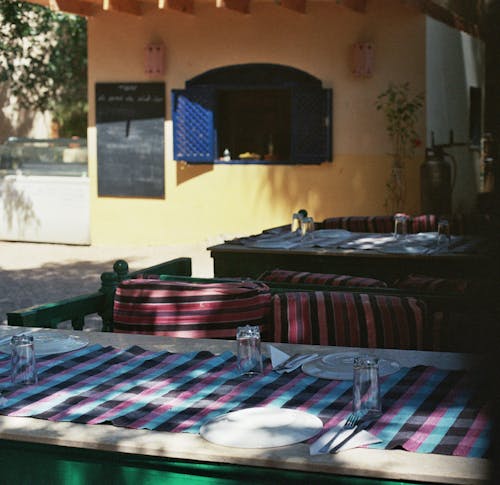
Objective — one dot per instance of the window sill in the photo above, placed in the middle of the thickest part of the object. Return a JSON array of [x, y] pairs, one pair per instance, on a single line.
[[255, 162]]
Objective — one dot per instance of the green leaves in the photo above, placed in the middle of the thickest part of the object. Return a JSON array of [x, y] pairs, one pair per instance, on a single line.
[[43, 57], [401, 111]]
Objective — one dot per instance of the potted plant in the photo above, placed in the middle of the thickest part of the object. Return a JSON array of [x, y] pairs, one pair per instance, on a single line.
[[401, 110]]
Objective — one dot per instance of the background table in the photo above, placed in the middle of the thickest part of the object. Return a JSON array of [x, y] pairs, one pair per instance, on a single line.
[[232, 259]]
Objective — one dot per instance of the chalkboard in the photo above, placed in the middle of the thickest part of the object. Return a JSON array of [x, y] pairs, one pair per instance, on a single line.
[[130, 139]]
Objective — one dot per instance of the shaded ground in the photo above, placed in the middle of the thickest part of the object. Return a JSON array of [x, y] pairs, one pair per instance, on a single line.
[[31, 273]]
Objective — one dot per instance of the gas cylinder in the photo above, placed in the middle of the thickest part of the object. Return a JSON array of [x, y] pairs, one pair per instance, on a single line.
[[437, 179]]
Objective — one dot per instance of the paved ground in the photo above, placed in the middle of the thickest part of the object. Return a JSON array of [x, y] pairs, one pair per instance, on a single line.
[[32, 273]]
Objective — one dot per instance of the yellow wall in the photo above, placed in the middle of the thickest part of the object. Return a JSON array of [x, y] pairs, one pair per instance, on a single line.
[[203, 203]]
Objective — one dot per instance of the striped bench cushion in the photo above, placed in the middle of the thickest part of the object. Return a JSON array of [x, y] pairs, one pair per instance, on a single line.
[[286, 276], [433, 284], [380, 224], [423, 223], [349, 319], [187, 309]]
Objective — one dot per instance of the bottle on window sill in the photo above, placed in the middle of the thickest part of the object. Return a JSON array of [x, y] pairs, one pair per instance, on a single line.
[[226, 156]]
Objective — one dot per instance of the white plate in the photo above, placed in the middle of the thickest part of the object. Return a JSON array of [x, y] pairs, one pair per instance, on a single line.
[[48, 343], [339, 366], [261, 427]]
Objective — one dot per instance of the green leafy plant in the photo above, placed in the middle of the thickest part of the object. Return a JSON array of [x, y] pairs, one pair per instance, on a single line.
[[401, 110], [43, 61]]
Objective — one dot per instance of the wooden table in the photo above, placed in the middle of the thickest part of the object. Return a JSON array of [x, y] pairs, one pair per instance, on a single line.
[[233, 259], [64, 452]]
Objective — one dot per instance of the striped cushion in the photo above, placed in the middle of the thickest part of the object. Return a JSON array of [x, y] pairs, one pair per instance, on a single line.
[[432, 284], [423, 223], [187, 309], [349, 319], [285, 276], [381, 224]]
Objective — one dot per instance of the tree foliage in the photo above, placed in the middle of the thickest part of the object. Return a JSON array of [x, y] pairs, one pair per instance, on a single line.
[[43, 59]]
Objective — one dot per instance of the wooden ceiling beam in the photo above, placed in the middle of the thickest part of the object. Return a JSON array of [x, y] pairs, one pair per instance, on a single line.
[[76, 7], [356, 5], [296, 5], [242, 6], [131, 7], [444, 15], [184, 6]]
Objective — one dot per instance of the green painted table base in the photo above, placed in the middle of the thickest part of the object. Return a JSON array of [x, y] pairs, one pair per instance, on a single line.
[[36, 464]]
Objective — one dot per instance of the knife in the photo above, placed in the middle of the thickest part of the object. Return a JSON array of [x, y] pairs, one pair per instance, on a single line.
[[294, 361], [363, 424]]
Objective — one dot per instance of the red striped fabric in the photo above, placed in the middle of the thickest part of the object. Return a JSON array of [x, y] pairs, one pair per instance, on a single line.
[[433, 284], [286, 276], [186, 309], [349, 319], [423, 223], [380, 224]]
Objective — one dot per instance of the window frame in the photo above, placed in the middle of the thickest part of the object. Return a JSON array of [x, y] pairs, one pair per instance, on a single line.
[[195, 129]]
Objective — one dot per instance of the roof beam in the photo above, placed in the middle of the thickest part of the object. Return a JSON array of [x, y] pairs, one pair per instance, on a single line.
[[444, 15], [242, 6], [356, 5], [76, 7], [132, 7], [296, 5], [185, 6]]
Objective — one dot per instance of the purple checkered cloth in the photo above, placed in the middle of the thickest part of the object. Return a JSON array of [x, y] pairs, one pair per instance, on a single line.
[[425, 409]]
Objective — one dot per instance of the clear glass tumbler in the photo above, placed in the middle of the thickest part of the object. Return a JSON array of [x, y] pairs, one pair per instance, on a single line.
[[306, 225], [366, 386], [400, 226], [249, 353], [23, 361], [296, 221], [443, 236]]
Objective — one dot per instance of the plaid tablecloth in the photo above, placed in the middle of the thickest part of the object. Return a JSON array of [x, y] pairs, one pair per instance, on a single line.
[[425, 409]]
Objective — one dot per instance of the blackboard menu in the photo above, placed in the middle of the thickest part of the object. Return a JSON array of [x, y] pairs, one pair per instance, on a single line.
[[130, 139]]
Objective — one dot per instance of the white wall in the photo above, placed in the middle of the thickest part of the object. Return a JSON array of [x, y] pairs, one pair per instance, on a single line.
[[454, 63]]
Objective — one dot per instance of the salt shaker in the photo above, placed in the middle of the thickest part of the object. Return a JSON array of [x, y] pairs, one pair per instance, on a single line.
[[23, 361], [366, 387], [249, 353]]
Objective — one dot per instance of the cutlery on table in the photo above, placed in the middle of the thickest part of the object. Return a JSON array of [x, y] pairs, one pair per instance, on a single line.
[[294, 361], [362, 424], [350, 423]]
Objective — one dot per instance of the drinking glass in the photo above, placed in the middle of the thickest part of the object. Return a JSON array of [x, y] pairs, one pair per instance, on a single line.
[[249, 353], [366, 386], [443, 236], [400, 226], [306, 226], [22, 360], [296, 221]]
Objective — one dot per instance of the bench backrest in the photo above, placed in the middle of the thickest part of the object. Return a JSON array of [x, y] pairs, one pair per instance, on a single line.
[[207, 309]]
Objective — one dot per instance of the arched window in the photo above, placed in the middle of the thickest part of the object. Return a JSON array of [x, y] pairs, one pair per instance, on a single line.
[[260, 113]]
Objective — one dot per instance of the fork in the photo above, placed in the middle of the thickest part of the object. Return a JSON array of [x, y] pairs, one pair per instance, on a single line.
[[362, 424], [351, 422]]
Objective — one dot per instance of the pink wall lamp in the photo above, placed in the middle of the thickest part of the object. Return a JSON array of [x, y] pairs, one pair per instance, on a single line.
[[362, 59], [154, 60]]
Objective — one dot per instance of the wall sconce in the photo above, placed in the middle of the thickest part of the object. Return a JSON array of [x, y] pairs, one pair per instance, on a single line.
[[362, 58], [154, 60]]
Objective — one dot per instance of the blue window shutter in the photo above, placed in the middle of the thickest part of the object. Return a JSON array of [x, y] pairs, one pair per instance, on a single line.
[[193, 117], [311, 125]]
